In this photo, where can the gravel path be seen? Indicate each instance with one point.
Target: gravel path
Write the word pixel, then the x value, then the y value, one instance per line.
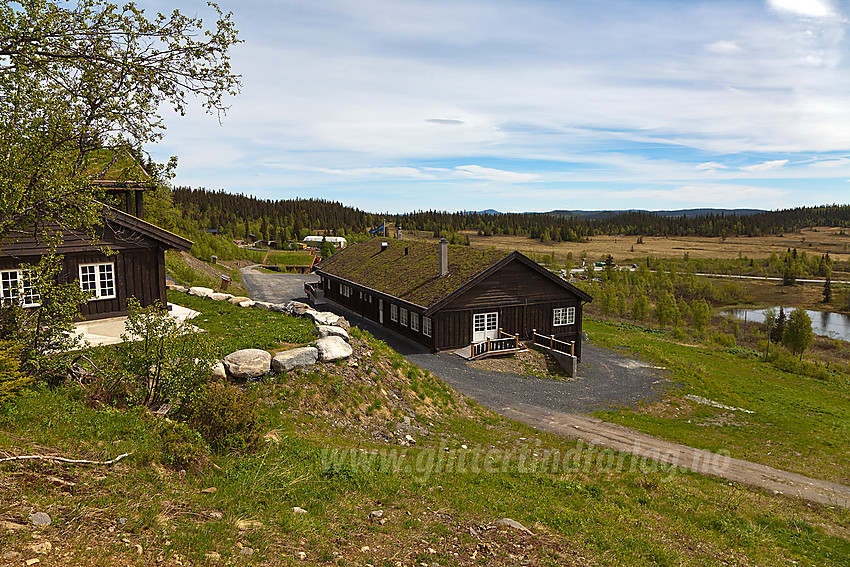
pixel 275 288
pixel 606 379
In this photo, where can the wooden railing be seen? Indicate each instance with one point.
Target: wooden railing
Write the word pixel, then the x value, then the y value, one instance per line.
pixel 314 292
pixel 553 343
pixel 504 344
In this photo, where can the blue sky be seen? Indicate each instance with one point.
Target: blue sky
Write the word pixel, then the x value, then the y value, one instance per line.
pixel 393 106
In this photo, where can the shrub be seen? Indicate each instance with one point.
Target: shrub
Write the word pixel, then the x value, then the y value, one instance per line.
pixel 12 380
pixel 166 356
pixel 181 446
pixel 226 417
pixel 723 339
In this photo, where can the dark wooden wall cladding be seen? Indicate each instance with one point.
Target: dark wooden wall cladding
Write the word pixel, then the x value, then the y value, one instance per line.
pixel 522 293
pixel 136 248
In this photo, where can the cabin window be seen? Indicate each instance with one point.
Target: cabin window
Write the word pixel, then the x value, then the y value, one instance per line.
pixel 344 290
pixel 403 316
pixel 393 312
pixel 414 321
pixel 426 326
pixel 98 279
pixel 563 316
pixel 19 287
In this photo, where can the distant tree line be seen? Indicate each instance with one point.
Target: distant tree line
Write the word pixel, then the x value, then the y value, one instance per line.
pixel 239 216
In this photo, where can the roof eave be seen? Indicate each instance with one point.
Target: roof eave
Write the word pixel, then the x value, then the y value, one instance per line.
pixel 169 239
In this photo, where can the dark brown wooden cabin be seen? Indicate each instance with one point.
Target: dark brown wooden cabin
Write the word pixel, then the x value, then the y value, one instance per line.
pixel 448 297
pixel 136 269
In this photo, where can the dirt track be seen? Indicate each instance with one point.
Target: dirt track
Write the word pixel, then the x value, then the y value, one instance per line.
pixel 619 438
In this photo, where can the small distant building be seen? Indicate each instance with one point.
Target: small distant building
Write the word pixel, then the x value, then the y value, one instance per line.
pixel 337 241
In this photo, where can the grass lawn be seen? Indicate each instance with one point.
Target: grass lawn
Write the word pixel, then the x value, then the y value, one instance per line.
pixel 798 423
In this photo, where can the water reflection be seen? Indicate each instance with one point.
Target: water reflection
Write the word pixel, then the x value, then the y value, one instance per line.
pixel 824 323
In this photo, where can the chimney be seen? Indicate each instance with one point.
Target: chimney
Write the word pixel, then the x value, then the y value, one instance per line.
pixel 405 251
pixel 444 257
pixel 384 246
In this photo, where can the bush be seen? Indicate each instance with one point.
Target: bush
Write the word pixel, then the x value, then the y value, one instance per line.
pixel 226 417
pixel 788 363
pixel 181 446
pixel 723 339
pixel 12 380
pixel 166 356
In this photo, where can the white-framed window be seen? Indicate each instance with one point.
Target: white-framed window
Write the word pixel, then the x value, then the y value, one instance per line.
pixel 402 316
pixel 19 287
pixel 414 321
pixel 393 312
pixel 344 290
pixel 563 316
pixel 426 326
pixel 98 279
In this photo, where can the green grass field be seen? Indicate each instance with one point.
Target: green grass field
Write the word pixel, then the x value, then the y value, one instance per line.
pixel 798 423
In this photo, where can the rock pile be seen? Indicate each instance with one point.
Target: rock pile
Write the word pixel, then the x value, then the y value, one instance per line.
pixel 251 364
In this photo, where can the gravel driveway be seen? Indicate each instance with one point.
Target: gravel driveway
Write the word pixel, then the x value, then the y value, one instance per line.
pixel 606 378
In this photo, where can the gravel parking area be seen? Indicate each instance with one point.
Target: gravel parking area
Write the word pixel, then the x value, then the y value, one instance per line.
pixel 606 378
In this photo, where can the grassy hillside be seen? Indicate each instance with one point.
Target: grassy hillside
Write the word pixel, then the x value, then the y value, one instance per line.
pixel 335 445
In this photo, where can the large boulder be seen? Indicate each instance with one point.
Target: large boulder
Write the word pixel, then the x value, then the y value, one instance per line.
pixel 237 299
pixel 323 331
pixel 342 323
pixel 333 348
pixel 298 308
pixel 287 360
pixel 280 308
pixel 323 317
pixel 246 303
pixel 248 363
pixel 219 372
pixel 218 296
pixel 201 291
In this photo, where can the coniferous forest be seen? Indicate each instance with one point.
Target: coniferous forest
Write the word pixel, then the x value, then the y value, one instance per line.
pixel 239 216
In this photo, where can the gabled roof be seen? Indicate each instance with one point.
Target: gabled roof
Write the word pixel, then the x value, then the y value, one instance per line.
pixel 414 277
pixel 118 169
pixel 169 239
pixel 512 257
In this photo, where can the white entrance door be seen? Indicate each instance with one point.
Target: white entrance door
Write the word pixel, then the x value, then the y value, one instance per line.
pixel 381 311
pixel 485 326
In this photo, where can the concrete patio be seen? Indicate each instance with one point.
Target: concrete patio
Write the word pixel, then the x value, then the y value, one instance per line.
pixel 108 331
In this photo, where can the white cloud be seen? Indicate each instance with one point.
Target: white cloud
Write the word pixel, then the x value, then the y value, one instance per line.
pixel 710 166
pixel 705 194
pixel 831 163
pixel 766 166
pixel 809 8
pixel 724 47
pixel 489 174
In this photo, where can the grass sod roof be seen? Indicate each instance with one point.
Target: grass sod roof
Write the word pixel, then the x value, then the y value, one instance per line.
pixel 414 277
pixel 118 168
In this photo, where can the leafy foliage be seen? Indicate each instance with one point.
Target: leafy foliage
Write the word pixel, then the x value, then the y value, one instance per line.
pixel 798 334
pixel 226 417
pixel 79 77
pixel 12 380
pixel 168 358
pixel 46 329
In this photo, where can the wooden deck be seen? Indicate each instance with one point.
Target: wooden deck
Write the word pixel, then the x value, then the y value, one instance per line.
pixel 506 344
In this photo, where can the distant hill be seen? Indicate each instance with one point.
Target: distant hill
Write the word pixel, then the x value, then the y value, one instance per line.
pixel 687 213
